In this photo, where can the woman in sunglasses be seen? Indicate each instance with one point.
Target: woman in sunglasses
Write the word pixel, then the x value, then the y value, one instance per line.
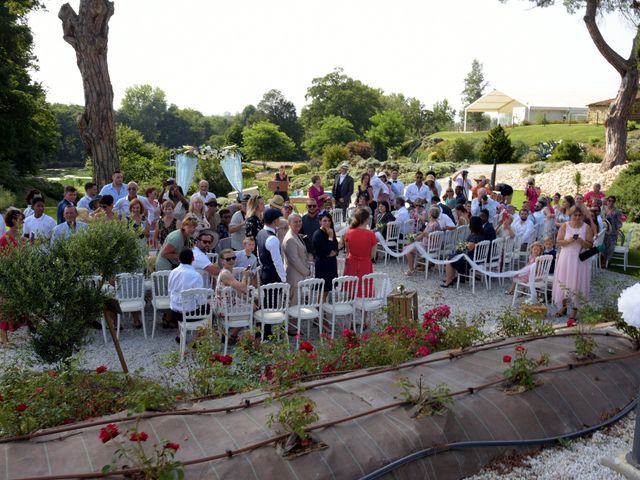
pixel 227 279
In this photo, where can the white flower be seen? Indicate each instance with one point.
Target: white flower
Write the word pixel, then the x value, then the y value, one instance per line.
pixel 629 305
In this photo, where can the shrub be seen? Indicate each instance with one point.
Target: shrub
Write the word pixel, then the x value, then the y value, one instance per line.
pixel 334 155
pixel 459 150
pixel 525 123
pixel 529 157
pixel 595 141
pixel 497 146
pixel 360 148
pixel 568 150
pixel 625 189
pixel 631 125
pixel 443 169
pixel 520 150
pixel 545 149
pixel 7 199
pixel 435 156
pixel 330 176
pixel 592 158
pixel 300 169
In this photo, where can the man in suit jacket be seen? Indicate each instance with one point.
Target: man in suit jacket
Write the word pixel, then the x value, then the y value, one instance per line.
pixel 295 256
pixel 487 226
pixel 342 188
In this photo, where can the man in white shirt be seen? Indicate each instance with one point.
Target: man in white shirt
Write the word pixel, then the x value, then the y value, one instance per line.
pixel 200 250
pixel 121 207
pixel 203 191
pixel 69 226
pixel 376 185
pixel 116 188
pixel 269 249
pixel 461 179
pixel 90 192
pixel 184 277
pixel 38 225
pixel 523 227
pixel 484 202
pixel 237 224
pixel 417 190
pixel 401 213
pixel 396 185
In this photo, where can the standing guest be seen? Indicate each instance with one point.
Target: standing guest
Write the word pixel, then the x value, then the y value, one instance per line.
pixel 287 210
pixel 213 217
pixel 556 201
pixel 176 195
pixel 203 192
pixel 562 213
pixel 122 206
pixel 417 190
pixel 364 189
pixel 383 217
pixel 176 242
pixel 245 257
pixel 166 186
pixel 342 188
pixel 295 256
pixel 487 226
pixel 461 265
pixel 116 189
pixel 572 278
pixel 137 219
pixel 104 208
pixel 506 191
pixel 614 217
pixel 435 189
pixel 237 226
pixel 461 180
pixel 197 210
pixel 90 192
pixel 360 247
pixel 151 203
pixel 255 212
pixel 523 228
pixel 277 202
pixel 460 198
pixel 325 245
pixel 310 224
pixel 595 194
pixel 376 186
pixel 483 202
pixel 532 192
pixel 281 176
pixel 385 191
pixel 166 224
pixel 432 226
pixel 396 185
pixel 29 199
pixel 450 199
pixel 70 194
pixel 223 227
pixel 316 191
pixel 38 225
pixel 11 238
pixel 70 224
pixel 462 215
pixel 481 183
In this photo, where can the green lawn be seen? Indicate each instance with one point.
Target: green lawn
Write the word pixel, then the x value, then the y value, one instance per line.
pixel 534 134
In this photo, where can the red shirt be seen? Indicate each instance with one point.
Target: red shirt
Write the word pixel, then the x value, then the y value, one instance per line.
pixel 593 195
pixel 6 240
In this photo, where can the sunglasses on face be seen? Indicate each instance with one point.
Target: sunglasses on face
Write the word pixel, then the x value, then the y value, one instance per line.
pixel 311 206
pixel 230 259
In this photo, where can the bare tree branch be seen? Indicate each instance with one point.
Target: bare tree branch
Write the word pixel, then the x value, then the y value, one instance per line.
pixel 603 47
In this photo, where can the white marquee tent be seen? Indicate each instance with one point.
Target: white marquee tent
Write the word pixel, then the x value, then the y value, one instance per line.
pixel 495 101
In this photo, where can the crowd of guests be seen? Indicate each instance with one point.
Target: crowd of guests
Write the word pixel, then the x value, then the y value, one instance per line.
pixel 289 247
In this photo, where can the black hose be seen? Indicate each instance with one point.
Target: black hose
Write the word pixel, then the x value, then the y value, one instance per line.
pixel 427 452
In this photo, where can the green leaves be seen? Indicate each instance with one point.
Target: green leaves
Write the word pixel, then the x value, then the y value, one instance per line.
pixel 265 141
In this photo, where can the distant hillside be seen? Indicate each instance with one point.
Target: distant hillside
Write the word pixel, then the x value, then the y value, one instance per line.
pixel 534 134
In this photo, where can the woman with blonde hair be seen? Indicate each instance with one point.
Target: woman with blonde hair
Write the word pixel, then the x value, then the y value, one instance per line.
pixel 432 226
pixel 254 223
pixel 176 242
pixel 196 209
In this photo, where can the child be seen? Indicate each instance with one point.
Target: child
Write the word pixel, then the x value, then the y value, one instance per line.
pixel 245 258
pixel 536 251
pixel 550 249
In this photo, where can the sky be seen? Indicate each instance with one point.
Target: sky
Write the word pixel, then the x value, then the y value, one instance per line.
pixel 217 57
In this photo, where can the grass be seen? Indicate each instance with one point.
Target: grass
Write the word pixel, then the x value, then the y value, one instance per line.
pixel 534 134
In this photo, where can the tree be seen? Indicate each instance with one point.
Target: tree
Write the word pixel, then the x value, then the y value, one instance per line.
pixel 332 130
pixel 440 118
pixel 412 110
pixel 143 108
pixel 282 112
pixel 143 161
pixel 496 149
pixel 265 141
pixel 474 86
pixel 27 125
pixel 388 131
pixel 70 152
pixel 339 95
pixel 627 68
pixel 88 32
pixel 233 135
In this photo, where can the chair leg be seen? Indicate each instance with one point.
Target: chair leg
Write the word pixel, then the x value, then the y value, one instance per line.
pixel 226 339
pixel 118 327
pixel 473 282
pixel 144 324
pixel 153 326
pixel 104 330
pixel 183 340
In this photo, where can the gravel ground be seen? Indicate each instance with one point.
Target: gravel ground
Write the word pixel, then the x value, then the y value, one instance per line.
pixel 578 461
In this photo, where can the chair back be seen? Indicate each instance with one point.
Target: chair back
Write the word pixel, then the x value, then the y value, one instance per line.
pixel 449 242
pixel 238 273
pixel 462 233
pixel 213 257
pixel 337 215
pixel 237 304
pixel 627 243
pixel 542 266
pixel 410 227
pixel 208 280
pixel 160 284
pixel 130 286
pixel 497 247
pixel 274 297
pixel 393 232
pixel 507 248
pixel 434 242
pixel 341 264
pixel 373 285
pixel 311 292
pixel 481 252
pixel 196 303
pixel 223 244
pixel 350 212
pixel 344 290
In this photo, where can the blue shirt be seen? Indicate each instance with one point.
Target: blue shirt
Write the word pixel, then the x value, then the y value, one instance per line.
pixel 84 202
pixel 109 189
pixel 64 230
pixel 61 206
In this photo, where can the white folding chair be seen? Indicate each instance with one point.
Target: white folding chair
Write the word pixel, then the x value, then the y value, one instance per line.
pixel 433 247
pixel 595 260
pixel 197 312
pixel 480 254
pixel 309 307
pixel 341 263
pixel 621 252
pixel 393 234
pixel 542 267
pixel 494 259
pixel 462 233
pixel 448 245
pixel 507 253
pixel 159 294
pixel 343 294
pixel 238 272
pixel 337 214
pixel 273 301
pixel 350 212
pixel 208 280
pixel 213 257
pixel 373 297
pixel 130 296
pixel 223 245
pixel 236 309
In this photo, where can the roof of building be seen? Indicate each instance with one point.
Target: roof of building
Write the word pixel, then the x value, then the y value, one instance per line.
pixel 606 103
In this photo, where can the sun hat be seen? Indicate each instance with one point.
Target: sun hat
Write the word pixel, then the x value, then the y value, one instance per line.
pixel 431 178
pixel 277 201
pixel 344 165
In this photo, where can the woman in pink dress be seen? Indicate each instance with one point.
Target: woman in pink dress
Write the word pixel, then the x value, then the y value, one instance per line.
pixel 360 245
pixel 316 191
pixel 572 278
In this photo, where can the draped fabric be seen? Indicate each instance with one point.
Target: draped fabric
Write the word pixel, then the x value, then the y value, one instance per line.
pixel 232 167
pixel 185 170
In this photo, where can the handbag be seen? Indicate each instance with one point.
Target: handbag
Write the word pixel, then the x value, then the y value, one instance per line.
pixel 587 254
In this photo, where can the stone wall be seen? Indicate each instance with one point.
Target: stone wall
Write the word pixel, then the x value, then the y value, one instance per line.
pixel 598 113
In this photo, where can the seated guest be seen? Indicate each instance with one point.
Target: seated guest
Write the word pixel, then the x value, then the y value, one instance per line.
pixel 295 256
pixel 383 217
pixel 461 265
pixel 432 226
pixel 550 249
pixel 444 208
pixel 487 226
pixel 401 214
pixel 184 277
pixel 461 214
pixel 536 250
pixel 204 243
pixel 245 257
pixel 176 242
pixel 419 213
pixel 505 229
pixel 70 224
pixel 444 219
pixel 223 227
pixel 226 278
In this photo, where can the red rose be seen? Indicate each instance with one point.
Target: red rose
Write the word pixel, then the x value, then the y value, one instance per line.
pixel 109 432
pixel 171 446
pixel 520 348
pixel 432 338
pixel 313 356
pixel 53 373
pixel 571 322
pixel 308 408
pixel 306 346
pixel 39 389
pixel 21 407
pixel 139 437
pixel 178 397
pixel 226 359
pixel 390 330
pixel 422 351
pixel 435 328
pixel 1 398
pixel 506 359
pixel 101 369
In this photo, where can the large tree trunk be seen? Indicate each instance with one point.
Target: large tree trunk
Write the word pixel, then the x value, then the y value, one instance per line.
pixel 616 121
pixel 87 32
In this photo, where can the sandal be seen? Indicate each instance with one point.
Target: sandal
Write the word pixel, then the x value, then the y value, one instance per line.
pixel 409 273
